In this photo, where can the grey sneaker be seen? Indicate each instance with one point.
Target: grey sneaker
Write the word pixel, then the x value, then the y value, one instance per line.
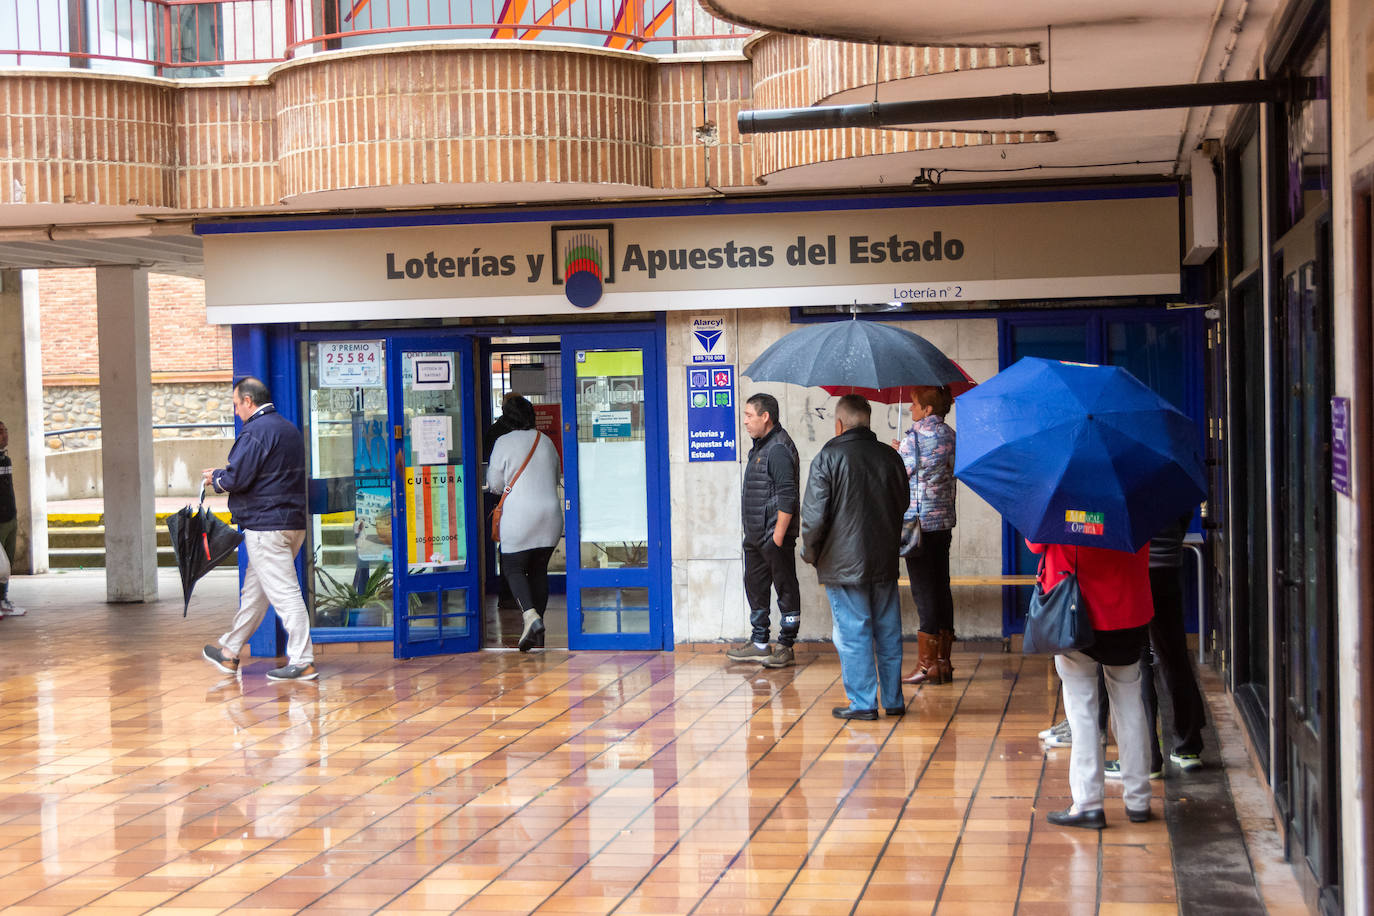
pixel 10 609
pixel 293 673
pixel 781 658
pixel 748 652
pixel 1057 728
pixel 1059 739
pixel 215 656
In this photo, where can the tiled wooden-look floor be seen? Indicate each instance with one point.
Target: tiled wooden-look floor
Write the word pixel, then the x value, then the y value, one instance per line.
pixel 135 778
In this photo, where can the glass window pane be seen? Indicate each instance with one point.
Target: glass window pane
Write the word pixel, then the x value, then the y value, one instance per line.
pixel 422 615
pixel 1249 194
pixel 1050 341
pixel 615 610
pixel 349 558
pixel 613 501
pixel 1152 351
pixel 432 451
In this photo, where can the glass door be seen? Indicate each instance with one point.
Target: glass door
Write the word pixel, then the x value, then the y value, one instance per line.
pixel 434 492
pixel 613 452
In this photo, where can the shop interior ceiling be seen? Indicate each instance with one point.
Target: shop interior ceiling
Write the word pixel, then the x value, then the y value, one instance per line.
pixel 1082 46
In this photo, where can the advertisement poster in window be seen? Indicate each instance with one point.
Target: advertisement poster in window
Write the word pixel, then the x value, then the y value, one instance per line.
pixel 437 534
pixel 351 364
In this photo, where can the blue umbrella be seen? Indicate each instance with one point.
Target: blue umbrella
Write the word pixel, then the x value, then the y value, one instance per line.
pixel 858 354
pixel 1077 454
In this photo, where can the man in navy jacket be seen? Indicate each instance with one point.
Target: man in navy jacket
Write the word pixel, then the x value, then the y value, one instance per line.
pixel 265 479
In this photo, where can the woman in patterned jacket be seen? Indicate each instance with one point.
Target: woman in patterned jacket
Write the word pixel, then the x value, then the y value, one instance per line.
pixel 928 452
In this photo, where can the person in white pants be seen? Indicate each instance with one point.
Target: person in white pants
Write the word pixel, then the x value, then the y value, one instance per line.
pixel 1115 588
pixel 1079 675
pixel 265 479
pixel 271 579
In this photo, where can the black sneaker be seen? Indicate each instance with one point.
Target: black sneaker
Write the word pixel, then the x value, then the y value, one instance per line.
pixel 293 673
pixel 215 656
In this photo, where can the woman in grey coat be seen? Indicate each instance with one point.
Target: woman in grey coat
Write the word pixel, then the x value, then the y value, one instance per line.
pixel 532 517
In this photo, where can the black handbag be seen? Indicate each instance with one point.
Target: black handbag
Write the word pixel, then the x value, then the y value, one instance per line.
pixel 1057 621
pixel 910 543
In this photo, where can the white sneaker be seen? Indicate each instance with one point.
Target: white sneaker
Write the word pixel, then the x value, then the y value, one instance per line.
pixel 9 609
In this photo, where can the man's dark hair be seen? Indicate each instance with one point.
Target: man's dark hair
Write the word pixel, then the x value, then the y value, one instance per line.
pixel 254 390
pixel 518 413
pixel 853 410
pixel 765 403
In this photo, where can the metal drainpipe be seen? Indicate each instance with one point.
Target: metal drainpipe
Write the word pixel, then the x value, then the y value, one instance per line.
pixel 1015 105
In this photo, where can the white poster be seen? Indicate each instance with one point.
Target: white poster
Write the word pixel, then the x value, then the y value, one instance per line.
pixel 431 437
pixel 431 372
pixel 351 364
pixel 613 492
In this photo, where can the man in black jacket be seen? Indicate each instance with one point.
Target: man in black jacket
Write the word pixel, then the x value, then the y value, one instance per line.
pixel 856 495
pixel 768 504
pixel 265 479
pixel 9 525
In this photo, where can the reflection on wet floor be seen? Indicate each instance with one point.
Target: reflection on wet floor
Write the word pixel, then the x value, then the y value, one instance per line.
pixel 135 778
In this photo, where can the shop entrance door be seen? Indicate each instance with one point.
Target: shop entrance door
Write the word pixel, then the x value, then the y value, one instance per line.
pixel 614 448
pixel 434 494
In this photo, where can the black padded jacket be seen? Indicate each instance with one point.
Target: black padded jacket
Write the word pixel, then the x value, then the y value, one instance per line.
pixel 772 475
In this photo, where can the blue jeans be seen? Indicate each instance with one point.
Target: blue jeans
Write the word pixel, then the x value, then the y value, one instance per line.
pixel 868 624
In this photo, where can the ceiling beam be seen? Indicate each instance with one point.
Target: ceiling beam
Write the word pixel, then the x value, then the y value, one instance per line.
pixel 1016 105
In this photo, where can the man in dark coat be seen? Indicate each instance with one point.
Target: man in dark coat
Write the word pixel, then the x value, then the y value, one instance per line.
pixel 265 479
pixel 9 525
pixel 768 504
pixel 852 512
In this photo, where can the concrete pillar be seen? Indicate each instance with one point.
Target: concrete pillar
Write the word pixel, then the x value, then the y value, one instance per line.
pixel 126 434
pixel 21 407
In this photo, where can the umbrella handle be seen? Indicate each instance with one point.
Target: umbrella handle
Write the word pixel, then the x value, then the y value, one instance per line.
pixel 202 492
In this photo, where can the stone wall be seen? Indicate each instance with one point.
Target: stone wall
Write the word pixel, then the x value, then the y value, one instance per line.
pixel 708 592
pixel 71 406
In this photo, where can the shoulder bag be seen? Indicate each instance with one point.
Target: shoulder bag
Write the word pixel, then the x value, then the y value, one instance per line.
pixel 496 513
pixel 1057 621
pixel 909 545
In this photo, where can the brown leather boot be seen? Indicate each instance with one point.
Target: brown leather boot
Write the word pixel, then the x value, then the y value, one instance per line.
pixel 942 656
pixel 927 669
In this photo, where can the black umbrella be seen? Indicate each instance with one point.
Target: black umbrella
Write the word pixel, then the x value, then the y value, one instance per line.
pixel 858 354
pixel 201 542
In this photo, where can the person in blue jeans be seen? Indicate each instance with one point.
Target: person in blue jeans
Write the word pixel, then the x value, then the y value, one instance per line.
pixel 851 523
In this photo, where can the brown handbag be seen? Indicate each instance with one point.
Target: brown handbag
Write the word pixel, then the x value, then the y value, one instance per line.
pixel 496 513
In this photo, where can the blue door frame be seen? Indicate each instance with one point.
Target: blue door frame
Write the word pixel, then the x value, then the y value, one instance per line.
pixel 437 612
pixel 655 576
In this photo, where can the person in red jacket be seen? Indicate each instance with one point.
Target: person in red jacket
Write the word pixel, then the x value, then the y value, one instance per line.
pixel 1115 588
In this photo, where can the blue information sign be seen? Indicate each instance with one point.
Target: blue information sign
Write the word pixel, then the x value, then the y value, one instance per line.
pixel 711 413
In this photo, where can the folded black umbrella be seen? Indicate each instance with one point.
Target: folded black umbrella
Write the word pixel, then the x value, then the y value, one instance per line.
pixel 201 542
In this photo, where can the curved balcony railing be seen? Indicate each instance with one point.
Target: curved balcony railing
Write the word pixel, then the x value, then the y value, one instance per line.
pixel 203 38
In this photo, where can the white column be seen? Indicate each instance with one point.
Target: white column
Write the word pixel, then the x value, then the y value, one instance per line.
pixel 126 434
pixel 21 407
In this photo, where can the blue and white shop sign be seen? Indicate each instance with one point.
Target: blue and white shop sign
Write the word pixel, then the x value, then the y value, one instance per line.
pixel 711 413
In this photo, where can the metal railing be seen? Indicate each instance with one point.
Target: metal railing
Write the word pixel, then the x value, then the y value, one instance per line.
pixel 202 38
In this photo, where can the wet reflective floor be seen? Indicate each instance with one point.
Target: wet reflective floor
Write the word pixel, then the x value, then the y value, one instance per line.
pixel 134 778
